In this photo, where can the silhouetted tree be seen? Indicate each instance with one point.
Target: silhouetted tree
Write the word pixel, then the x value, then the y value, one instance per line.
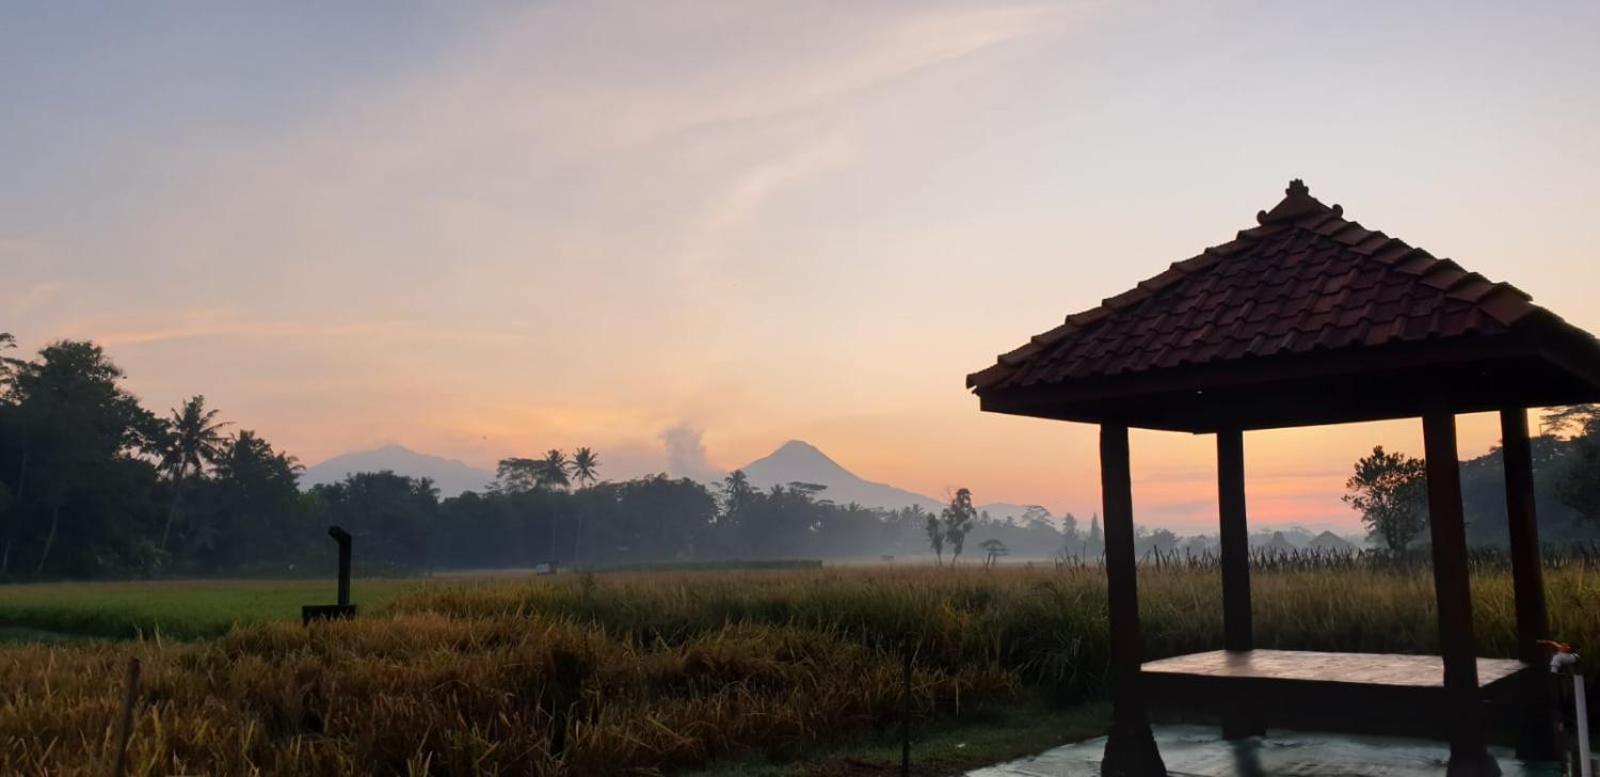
pixel 255 518
pixel 75 439
pixel 1572 421
pixel 554 470
pixel 958 518
pixel 190 440
pixel 585 467
pixel 1578 484
pixel 389 515
pixel 1069 534
pixel 1161 540
pixel 1095 542
pixel 1389 490
pixel 514 475
pixel 935 531
pixel 7 364
pixel 993 550
pixel 736 494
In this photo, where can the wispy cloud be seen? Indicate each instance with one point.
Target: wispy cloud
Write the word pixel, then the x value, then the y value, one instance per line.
pixel 146 329
pixel 35 296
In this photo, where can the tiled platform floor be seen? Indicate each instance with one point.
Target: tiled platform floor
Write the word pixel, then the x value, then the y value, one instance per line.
pixel 1199 751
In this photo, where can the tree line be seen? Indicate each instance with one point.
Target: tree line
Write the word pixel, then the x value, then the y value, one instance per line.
pixel 1389 488
pixel 93 484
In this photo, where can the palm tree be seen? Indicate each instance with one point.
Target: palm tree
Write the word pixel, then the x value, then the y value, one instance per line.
pixel 585 467
pixel 736 493
pixel 193 439
pixel 554 469
pixel 7 342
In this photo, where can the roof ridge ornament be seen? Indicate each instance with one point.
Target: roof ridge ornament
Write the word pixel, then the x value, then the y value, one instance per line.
pixel 1296 204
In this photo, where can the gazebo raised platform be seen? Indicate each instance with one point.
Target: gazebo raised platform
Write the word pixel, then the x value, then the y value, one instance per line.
pixel 1367 693
pixel 1309 319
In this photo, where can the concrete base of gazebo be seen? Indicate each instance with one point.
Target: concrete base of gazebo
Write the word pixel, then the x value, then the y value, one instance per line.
pixel 1201 751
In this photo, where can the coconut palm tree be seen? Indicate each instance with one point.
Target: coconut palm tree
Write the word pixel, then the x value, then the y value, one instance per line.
pixel 193 438
pixel 554 470
pixel 585 467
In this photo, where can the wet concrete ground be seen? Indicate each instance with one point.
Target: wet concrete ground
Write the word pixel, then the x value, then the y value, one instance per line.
pixel 1200 751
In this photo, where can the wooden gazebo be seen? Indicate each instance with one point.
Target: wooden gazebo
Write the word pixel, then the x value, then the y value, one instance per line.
pixel 1310 319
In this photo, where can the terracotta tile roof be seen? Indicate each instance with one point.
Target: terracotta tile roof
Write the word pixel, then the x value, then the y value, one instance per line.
pixel 1303 280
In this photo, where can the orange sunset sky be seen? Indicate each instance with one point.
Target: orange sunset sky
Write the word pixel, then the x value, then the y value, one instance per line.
pixel 486 230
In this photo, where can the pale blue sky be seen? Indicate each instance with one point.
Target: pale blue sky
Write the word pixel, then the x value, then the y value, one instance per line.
pixel 486 229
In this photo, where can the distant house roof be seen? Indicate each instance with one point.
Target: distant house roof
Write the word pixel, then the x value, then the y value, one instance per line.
pixel 1278 544
pixel 1330 541
pixel 1294 322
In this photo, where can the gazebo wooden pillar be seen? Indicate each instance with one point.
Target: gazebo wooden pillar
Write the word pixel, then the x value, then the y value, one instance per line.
pixel 1310 319
pixel 1446 525
pixel 1527 576
pixel 1527 580
pixel 1238 630
pixel 1131 745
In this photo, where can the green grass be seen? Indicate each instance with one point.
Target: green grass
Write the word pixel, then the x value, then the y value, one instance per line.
pixel 191 609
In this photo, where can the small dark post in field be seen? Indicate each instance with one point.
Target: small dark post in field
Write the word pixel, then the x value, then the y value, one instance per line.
pixel 130 696
pixel 344 609
pixel 905 714
pixel 343 538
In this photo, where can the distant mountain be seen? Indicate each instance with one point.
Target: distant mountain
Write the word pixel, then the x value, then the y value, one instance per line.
pixel 798 461
pixel 794 461
pixel 450 476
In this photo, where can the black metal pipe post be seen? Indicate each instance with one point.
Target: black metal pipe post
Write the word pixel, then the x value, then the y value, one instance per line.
pixel 343 538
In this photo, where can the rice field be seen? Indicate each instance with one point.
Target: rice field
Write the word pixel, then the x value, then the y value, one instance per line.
pixel 649 673
pixel 184 610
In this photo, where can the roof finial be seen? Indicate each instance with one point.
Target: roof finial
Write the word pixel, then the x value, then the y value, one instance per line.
pixel 1297 202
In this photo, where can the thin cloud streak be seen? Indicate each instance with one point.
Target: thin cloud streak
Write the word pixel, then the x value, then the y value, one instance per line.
pixel 221 324
pixel 35 296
